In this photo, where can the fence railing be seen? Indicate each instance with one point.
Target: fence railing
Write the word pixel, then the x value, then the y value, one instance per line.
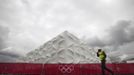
pixel 63 69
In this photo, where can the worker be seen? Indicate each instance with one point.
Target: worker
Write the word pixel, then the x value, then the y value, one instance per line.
pixel 102 56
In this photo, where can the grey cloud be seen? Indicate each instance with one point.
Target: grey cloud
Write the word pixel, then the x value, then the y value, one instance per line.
pixel 96 42
pixel 127 48
pixel 8 58
pixel 3 36
pixel 9 54
pixel 4 58
pixel 117 36
pixel 121 33
pixel 4 31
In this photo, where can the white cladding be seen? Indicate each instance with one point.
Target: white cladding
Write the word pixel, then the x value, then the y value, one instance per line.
pixel 65 48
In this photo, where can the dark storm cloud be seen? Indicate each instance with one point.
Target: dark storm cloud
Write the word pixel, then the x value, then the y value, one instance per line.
pixel 3 36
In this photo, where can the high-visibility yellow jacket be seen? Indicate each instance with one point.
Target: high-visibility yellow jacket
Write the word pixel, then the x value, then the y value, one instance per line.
pixel 102 55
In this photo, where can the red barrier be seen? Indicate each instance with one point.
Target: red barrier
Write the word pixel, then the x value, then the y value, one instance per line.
pixel 63 69
pixel 90 69
pixel 20 68
pixel 125 68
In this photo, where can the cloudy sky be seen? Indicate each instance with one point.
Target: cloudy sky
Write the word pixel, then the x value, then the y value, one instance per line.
pixel 27 24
